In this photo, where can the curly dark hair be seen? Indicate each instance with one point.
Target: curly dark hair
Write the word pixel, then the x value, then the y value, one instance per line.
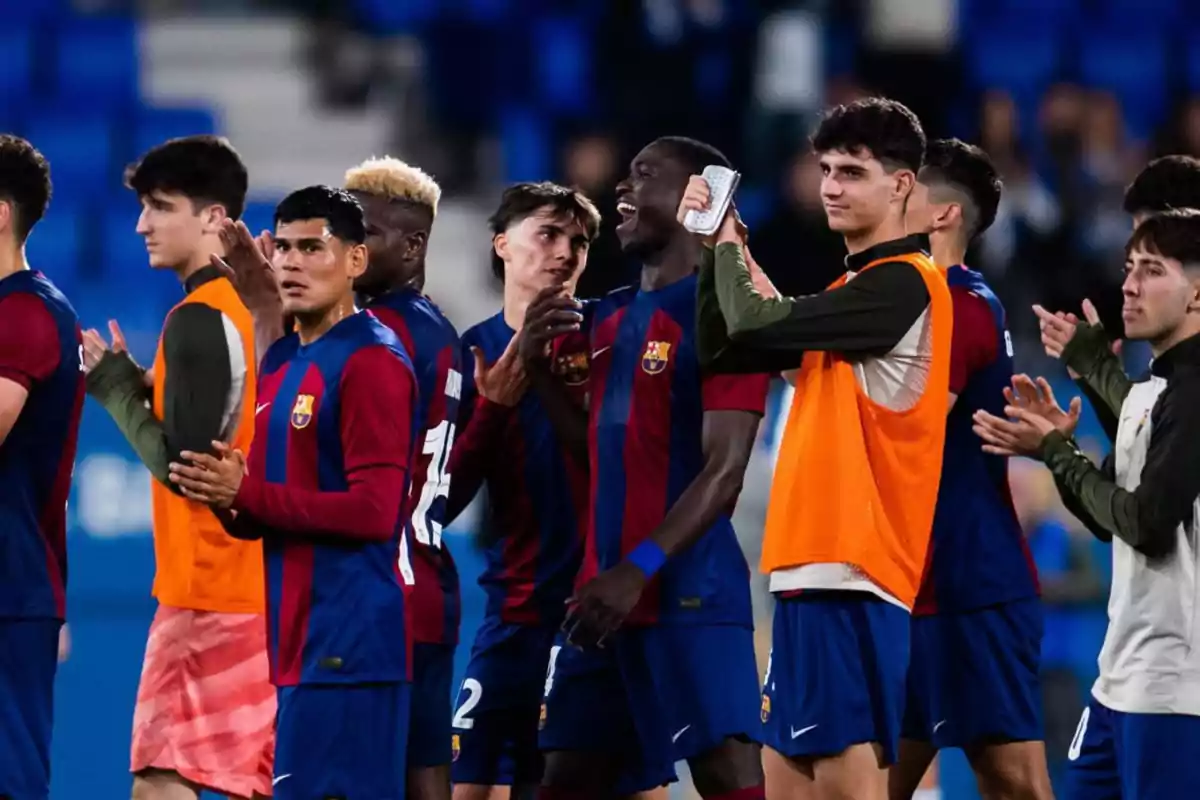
pixel 341 211
pixel 522 200
pixel 1163 184
pixel 205 169
pixel 966 169
pixel 24 182
pixel 693 153
pixel 885 128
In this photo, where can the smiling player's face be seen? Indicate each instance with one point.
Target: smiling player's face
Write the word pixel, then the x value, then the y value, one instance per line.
pixel 648 199
pixel 544 249
pixel 857 192
pixel 316 269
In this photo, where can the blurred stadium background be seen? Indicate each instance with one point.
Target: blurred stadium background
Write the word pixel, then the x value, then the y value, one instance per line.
pixel 1069 96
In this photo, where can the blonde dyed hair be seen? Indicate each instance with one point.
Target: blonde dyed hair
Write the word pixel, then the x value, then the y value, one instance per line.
pixel 394 179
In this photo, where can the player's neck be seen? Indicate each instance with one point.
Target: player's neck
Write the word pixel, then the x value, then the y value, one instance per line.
pixel 516 302
pixel 201 258
pixel 889 230
pixel 673 263
pixel 311 327
pixel 946 251
pixel 12 261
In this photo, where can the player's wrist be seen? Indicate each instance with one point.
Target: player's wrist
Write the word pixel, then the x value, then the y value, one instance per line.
pixel 648 557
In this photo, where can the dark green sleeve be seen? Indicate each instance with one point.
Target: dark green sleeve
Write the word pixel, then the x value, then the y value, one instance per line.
pixel 714 348
pixel 116 383
pixel 1101 375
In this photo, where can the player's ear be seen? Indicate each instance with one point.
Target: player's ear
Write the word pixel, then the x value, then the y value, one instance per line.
pixel 7 214
pixel 356 261
pixel 947 216
pixel 415 243
pixel 500 245
pixel 212 217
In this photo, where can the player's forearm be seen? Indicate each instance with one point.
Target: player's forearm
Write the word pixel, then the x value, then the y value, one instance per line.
pixel 117 385
pixel 1107 509
pixel 566 418
pixel 368 511
pixel 268 329
pixel 712 494
pixel 714 349
pixel 747 314
pixel 474 448
pixel 1101 375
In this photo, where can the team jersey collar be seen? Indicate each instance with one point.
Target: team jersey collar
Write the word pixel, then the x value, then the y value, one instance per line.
pixel 201 277
pixel 916 243
pixel 1183 355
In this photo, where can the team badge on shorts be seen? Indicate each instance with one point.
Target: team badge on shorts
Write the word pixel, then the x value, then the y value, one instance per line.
pixel 766 708
pixel 572 368
pixel 542 717
pixel 455 747
pixel 302 412
pixel 654 360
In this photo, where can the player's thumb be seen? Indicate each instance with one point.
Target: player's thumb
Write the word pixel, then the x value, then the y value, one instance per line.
pixel 480 365
pixel 1075 409
pixel 1090 313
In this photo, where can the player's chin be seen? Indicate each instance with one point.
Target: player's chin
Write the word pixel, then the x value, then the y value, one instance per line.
pixel 841 222
pixel 298 305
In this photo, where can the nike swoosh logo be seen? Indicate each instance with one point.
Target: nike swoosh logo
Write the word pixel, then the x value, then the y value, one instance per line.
pixel 802 731
pixel 679 733
pixel 602 350
pixel 279 778
pixel 259 409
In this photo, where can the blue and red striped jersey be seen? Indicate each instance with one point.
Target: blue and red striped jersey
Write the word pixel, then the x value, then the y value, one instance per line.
pixel 328 474
pixel 40 349
pixel 978 555
pixel 432 343
pixel 648 400
pixel 536 491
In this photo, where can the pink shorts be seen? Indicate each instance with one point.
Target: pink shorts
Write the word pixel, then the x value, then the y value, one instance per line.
pixel 205 705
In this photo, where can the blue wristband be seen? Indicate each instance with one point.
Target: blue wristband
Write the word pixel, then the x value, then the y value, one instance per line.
pixel 648 557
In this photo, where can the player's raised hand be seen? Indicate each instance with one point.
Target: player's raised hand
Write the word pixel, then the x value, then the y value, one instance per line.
pixel 247 264
pixel 503 382
pixel 1038 396
pixel 94 348
pixel 1019 435
pixel 552 313
pixel 118 338
pixel 212 480
pixel 696 197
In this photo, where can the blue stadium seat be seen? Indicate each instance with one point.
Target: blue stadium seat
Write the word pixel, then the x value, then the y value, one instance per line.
pixel 55 245
pixel 525 145
pixel 1134 67
pixel 564 58
pixel 15 12
pixel 1138 14
pixel 153 126
pixel 981 15
pixel 80 148
pixel 1021 59
pixel 16 64
pixel 259 216
pixel 387 17
pixel 97 63
pixel 122 249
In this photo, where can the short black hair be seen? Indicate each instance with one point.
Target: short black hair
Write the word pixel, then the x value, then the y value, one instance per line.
pixel 1171 234
pixel 24 182
pixel 522 200
pixel 341 211
pixel 205 169
pixel 885 127
pixel 1163 184
pixel 692 153
pixel 966 169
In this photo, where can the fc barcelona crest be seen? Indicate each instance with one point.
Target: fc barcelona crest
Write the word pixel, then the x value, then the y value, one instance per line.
pixel 455 747
pixel 766 708
pixel 654 360
pixel 302 412
pixel 572 368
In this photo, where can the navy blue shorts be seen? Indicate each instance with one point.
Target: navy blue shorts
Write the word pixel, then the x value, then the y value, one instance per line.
pixel 341 741
pixel 836 674
pixel 653 696
pixel 973 677
pixel 495 724
pixel 1118 756
pixel 429 716
pixel 28 661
